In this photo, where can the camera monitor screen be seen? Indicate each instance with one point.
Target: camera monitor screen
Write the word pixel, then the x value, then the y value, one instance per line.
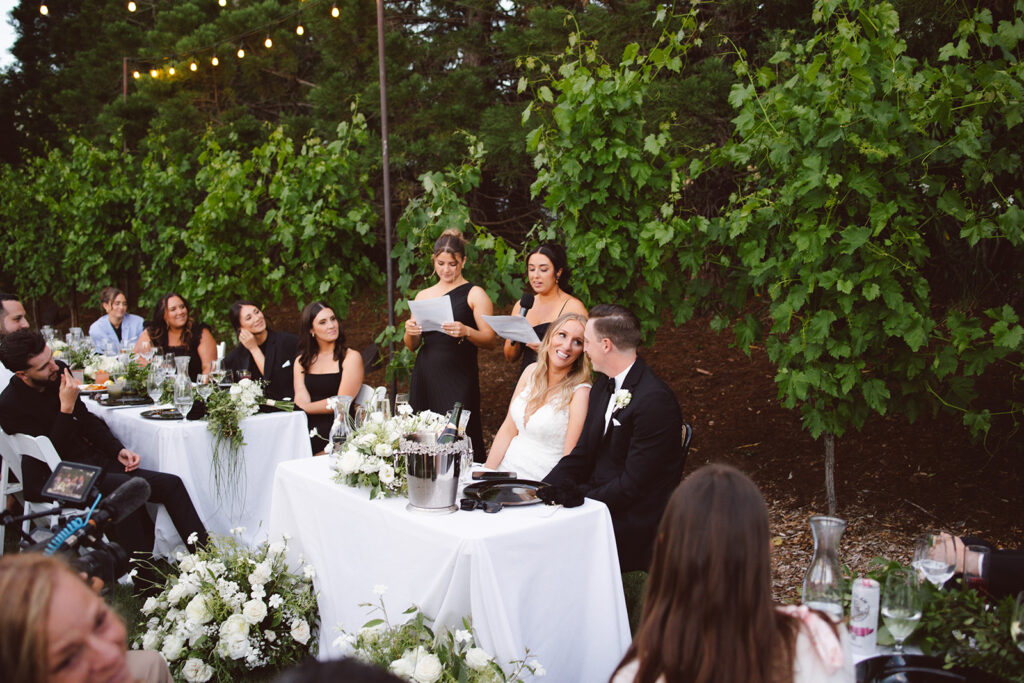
pixel 72 482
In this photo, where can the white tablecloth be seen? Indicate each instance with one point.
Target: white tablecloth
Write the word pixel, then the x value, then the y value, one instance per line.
pixel 536 577
pixel 186 449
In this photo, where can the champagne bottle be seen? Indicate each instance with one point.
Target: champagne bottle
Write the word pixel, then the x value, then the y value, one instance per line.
pixel 451 431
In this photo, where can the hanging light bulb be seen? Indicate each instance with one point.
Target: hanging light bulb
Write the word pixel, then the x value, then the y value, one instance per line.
pixel 222 3
pixel 215 61
pixel 193 67
pixel 335 12
pixel 268 43
pixel 135 74
pixel 170 71
pixel 131 7
pixel 299 30
pixel 44 10
pixel 154 73
pixel 241 53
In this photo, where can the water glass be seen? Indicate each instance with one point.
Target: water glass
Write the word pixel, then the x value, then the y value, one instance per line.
pixel 242 374
pixel 935 556
pixel 402 400
pixel 155 383
pixel 183 398
pixel 901 605
pixel 205 386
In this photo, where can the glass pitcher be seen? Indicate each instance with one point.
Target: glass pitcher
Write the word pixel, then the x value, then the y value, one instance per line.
pixel 342 427
pixel 822 588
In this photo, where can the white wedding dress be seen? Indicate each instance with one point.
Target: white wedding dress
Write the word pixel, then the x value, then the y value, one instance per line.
pixel 539 445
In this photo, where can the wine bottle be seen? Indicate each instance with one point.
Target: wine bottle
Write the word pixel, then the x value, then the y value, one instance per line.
pixel 451 431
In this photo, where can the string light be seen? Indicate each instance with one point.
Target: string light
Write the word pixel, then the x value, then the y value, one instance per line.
pixel 131 7
pixel 135 74
pixel 44 10
pixel 215 61
pixel 299 30
pixel 222 3
pixel 193 67
pixel 170 71
pixel 154 73
pixel 268 43
pixel 335 12
pixel 241 53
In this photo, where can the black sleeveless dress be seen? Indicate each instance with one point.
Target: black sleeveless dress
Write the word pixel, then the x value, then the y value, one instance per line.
pixel 446 371
pixel 319 388
pixel 195 363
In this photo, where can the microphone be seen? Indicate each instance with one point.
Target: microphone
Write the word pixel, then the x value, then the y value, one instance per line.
pixel 126 499
pixel 525 303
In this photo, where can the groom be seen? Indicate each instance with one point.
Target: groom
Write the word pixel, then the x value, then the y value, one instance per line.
pixel 629 454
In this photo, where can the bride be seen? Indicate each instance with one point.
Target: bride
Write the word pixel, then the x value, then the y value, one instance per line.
pixel 549 405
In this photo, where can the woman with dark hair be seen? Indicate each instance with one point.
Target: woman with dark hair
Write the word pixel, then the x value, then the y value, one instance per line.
pixel 267 354
pixel 446 369
pixel 173 330
pixel 118 327
pixel 323 368
pixel 549 406
pixel 548 274
pixel 55 629
pixel 708 614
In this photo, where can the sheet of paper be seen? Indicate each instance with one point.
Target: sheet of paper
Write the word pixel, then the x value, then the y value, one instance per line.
pixel 430 313
pixel 514 327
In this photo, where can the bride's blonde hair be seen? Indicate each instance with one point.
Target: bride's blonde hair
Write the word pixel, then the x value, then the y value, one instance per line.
pixel 560 392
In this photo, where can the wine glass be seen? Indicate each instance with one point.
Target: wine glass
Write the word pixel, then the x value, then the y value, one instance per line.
pixel 401 401
pixel 901 605
pixel 155 383
pixel 205 386
pixel 242 374
pixel 183 398
pixel 217 375
pixel 359 415
pixel 935 556
pixel 147 351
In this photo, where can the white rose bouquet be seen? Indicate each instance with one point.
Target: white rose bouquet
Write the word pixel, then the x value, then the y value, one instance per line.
pixel 370 456
pixel 231 610
pixel 412 652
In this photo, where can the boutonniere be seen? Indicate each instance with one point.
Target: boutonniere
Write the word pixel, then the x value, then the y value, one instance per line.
pixel 622 397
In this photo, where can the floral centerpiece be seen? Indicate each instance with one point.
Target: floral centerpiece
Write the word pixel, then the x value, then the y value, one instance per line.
pixel 77 357
pixel 232 610
pixel 224 412
pixel 370 456
pixel 414 653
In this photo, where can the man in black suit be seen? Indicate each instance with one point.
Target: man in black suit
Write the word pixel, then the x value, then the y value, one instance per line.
pixel 42 400
pixel 629 455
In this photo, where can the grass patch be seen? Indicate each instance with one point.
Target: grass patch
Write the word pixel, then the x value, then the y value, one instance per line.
pixel 633 585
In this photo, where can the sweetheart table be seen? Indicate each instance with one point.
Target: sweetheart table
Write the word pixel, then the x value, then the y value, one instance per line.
pixel 536 576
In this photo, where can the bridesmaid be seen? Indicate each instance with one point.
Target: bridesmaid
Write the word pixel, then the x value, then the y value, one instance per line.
pixel 548 275
pixel 325 367
pixel 118 327
pixel 267 354
pixel 173 330
pixel 446 368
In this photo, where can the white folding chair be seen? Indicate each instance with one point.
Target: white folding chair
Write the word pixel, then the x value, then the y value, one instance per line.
pixel 11 464
pixel 365 394
pixel 38 447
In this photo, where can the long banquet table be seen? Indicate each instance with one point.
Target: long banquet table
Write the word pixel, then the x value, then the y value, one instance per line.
pixel 537 577
pixel 186 449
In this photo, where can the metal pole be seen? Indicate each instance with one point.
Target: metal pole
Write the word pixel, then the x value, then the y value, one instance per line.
pixel 387 179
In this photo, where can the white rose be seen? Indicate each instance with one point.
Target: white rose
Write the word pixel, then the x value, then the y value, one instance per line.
pixel 383 450
pixel 386 474
pixel 151 640
pixel 234 627
pixel 260 574
pixel 196 671
pixel 276 548
pixel 428 667
pixel 377 417
pixel 365 440
pixel 270 636
pixel 150 606
pixel 477 659
pixel 198 611
pixel 235 390
pixel 405 410
pixel 235 648
pixel 173 645
pixel 402 667
pixel 300 631
pixel 187 564
pixel 177 592
pixel 370 465
pixel 350 461
pixel 254 611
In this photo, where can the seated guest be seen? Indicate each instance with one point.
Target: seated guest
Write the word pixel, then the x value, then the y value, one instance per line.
pixel 547 271
pixel 12 319
pixel 708 614
pixel 1005 570
pixel 267 354
pixel 173 330
pixel 325 367
pixel 42 400
pixel 629 454
pixel 53 627
pixel 118 328
pixel 549 405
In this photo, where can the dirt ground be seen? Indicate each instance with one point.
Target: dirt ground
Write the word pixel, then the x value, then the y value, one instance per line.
pixel 893 479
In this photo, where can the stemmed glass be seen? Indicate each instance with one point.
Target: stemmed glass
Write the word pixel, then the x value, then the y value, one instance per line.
pixel 205 386
pixel 155 383
pixel 147 351
pixel 183 398
pixel 935 557
pixel 901 605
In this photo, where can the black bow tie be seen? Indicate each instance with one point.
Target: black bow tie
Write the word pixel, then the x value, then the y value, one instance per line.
pixel 610 387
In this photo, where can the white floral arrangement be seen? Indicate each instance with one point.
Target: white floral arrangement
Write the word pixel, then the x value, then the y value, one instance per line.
pixel 108 364
pixel 414 653
pixel 370 456
pixel 231 610
pixel 622 398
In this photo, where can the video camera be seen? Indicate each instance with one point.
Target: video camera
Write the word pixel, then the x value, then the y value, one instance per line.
pixel 80 540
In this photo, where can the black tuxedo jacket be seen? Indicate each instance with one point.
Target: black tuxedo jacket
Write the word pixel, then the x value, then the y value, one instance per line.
pixel 279 353
pixel 634 466
pixel 78 437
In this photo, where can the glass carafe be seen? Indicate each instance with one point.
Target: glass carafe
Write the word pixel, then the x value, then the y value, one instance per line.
pixel 181 384
pixel 822 588
pixel 342 427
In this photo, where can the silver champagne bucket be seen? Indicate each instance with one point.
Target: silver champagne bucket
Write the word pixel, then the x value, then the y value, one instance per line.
pixel 432 471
